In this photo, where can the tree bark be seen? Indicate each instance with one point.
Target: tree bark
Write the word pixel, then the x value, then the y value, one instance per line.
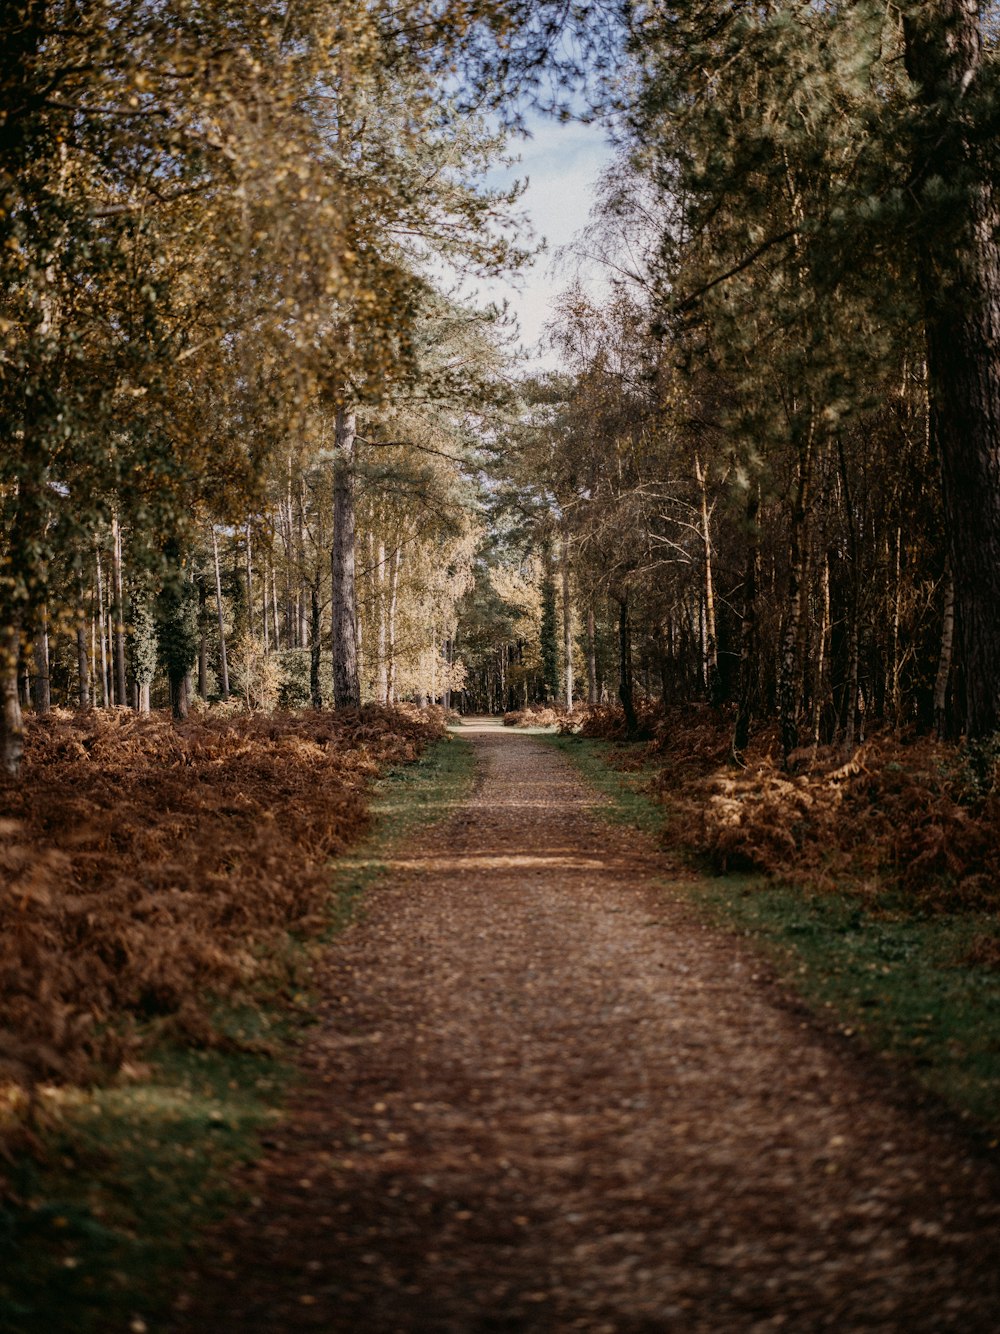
pixel 202 638
pixel 381 611
pixel 625 686
pixel 263 605
pixel 788 690
pixel 82 656
pixel 710 651
pixel 315 647
pixel 275 622
pixel 118 612
pixel 567 625
pixel 42 690
pixel 592 688
pixel 397 559
pixel 959 264
pixel 179 698
pixel 346 679
pixel 748 629
pixel 105 680
pixel 11 721
pixel 251 622
pixel 819 692
pixel 945 658
pixel 223 662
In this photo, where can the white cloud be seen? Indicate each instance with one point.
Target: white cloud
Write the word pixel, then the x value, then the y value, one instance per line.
pixel 562 163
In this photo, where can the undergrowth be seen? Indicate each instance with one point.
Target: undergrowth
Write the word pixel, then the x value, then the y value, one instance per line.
pixel 536 716
pixel 150 870
pixel 106 1187
pixel 896 946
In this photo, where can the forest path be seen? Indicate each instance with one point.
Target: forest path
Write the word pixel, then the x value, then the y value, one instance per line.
pixel 542 1097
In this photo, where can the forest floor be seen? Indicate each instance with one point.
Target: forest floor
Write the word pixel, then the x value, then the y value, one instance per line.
pixel 542 1095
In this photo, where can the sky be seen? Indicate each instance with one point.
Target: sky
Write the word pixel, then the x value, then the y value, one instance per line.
pixel 563 163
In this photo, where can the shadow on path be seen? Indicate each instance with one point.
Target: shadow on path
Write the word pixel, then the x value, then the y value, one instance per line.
pixel 541 1096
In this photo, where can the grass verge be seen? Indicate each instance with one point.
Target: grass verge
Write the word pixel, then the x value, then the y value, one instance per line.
pixel 895 977
pixel 99 1217
pixel 405 800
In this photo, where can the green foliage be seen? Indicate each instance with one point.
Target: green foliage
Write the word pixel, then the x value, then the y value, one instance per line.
pixel 141 642
pixel 294 689
pixel 196 259
pixel 177 626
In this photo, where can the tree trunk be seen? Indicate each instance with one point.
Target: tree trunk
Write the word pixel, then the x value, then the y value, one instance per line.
pixel 223 662
pixel 263 606
pixel 945 658
pixel 788 690
pixel 895 668
pixel 82 657
pixel 625 687
pixel 251 623
pixel 305 591
pixel 748 629
pixel 397 559
pixel 853 675
pixel 567 625
pixel 381 613
pixel 118 612
pixel 11 722
pixel 42 692
pixel 710 649
pixel 274 609
pixel 592 687
pixel 179 697
pixel 202 638
pixel 105 680
pixel 346 679
pixel 315 647
pixel 960 285
pixel 820 657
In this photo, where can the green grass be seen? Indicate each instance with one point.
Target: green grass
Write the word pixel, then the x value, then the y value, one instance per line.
pixel 887 973
pixel 628 803
pixel 94 1236
pixel 405 799
pixel 127 1176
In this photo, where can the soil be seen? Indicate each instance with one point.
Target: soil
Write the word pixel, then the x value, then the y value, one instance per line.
pixel 543 1096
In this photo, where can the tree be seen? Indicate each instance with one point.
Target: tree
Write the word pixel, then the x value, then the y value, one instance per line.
pixel 177 633
pixel 809 188
pixel 953 178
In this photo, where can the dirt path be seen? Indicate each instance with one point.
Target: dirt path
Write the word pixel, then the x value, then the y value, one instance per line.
pixel 541 1097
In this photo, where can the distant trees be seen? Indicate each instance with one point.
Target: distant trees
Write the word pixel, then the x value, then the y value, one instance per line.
pixel 769 476
pixel 771 432
pixel 215 237
pixel 826 178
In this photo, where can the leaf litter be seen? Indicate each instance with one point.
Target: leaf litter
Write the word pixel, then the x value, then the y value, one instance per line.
pixel 543 1096
pixel 150 870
